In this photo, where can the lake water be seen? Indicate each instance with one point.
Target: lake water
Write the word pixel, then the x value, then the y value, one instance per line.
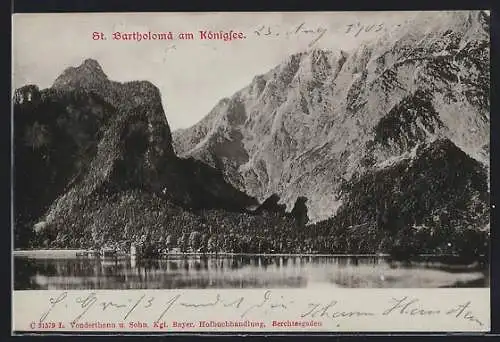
pixel 46 272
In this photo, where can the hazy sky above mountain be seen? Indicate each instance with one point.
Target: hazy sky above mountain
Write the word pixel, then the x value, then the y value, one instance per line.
pixel 192 75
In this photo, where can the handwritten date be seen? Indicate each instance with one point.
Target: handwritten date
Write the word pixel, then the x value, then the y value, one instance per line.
pixel 354 29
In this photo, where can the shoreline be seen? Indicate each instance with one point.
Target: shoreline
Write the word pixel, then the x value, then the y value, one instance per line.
pixel 74 252
pixel 41 252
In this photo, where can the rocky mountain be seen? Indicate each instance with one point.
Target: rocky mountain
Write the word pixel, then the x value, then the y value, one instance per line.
pixel 380 149
pixel 324 124
pixel 88 144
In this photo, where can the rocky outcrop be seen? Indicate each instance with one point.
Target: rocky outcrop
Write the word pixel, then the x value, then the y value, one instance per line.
pixel 88 140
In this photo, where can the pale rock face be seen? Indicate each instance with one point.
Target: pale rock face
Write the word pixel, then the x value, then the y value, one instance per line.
pixel 321 117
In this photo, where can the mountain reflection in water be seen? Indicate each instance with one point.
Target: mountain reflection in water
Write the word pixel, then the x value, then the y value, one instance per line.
pixel 241 272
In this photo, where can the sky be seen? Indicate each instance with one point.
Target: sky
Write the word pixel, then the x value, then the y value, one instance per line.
pixel 192 75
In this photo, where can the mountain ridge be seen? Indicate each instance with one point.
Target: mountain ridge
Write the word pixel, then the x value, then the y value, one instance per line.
pixel 374 151
pixel 89 146
pixel 74 194
pixel 282 126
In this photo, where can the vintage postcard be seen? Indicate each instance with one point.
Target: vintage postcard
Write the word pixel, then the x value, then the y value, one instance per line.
pixel 251 172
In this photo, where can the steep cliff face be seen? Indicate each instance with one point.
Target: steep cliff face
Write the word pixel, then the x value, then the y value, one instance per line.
pixel 88 143
pixel 139 98
pixel 321 117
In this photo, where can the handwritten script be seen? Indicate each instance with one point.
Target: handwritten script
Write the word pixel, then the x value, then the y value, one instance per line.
pixel 317 32
pixel 270 303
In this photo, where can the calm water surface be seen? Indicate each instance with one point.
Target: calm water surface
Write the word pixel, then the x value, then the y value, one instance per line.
pixel 240 272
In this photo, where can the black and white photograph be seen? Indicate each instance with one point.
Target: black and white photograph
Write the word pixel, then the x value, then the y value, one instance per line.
pixel 291 150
